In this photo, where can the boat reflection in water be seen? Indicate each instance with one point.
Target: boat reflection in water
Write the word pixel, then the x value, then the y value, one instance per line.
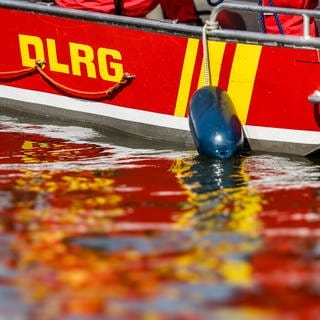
pixel 91 230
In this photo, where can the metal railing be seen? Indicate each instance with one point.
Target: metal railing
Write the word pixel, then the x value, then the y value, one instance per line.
pixel 186 30
pixel 306 40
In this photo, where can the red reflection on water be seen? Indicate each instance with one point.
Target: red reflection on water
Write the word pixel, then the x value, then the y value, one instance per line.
pixel 287 265
pixel 152 239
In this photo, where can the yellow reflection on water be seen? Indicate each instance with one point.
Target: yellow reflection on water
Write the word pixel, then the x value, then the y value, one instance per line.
pixel 239 207
pixel 69 252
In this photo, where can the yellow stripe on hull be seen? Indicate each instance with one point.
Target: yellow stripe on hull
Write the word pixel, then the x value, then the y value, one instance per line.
pixel 242 78
pixel 186 77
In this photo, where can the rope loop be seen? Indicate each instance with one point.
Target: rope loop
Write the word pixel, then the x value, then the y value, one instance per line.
pixel 13 75
pixel 96 95
pixel 209 26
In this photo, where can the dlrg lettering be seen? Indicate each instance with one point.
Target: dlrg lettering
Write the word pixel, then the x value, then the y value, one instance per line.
pixel 106 62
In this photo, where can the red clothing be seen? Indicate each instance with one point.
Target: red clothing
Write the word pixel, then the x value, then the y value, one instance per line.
pixel 183 11
pixel 231 20
pixel 132 8
pixel 291 24
pixel 299 4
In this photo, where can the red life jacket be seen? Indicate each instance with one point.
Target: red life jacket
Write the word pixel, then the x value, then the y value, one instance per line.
pixel 183 11
pixel 132 8
pixel 292 25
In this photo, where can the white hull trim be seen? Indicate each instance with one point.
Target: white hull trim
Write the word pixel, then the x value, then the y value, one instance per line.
pixel 283 135
pixel 155 120
pixel 95 108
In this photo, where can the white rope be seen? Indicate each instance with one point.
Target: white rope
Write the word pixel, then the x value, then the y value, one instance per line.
pixel 209 25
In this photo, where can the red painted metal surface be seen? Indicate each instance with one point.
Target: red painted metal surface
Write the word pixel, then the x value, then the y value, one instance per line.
pixel 285 77
pixel 146 55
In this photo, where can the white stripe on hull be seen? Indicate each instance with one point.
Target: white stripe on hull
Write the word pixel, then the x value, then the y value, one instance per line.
pixel 283 135
pixel 93 107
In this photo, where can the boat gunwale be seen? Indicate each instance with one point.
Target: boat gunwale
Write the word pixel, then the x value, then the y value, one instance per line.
pixel 261 38
pixel 159 26
pixel 168 27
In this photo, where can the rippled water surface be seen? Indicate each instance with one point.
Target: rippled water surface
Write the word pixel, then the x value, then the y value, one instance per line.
pixel 92 229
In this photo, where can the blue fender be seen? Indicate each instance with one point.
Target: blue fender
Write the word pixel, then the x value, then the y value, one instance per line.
pixel 214 124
